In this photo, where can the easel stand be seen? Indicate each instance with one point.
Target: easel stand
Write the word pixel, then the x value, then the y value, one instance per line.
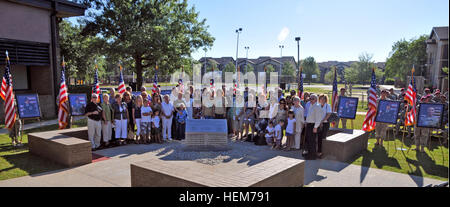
pixel 23 125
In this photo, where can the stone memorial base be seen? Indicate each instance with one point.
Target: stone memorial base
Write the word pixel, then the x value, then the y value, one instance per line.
pixel 343 144
pixel 67 147
pixel 275 172
pixel 206 135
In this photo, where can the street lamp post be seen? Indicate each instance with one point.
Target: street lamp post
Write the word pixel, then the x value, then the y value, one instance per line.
pixel 204 68
pixel 246 48
pixel 298 63
pixel 281 56
pixel 246 57
pixel 237 50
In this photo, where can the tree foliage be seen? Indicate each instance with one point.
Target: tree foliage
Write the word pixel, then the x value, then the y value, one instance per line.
pixel 269 68
pixel 288 69
pixel 248 68
pixel 230 67
pixel 404 55
pixel 149 32
pixel 361 71
pixel 212 64
pixel 329 77
pixel 309 68
pixel 80 52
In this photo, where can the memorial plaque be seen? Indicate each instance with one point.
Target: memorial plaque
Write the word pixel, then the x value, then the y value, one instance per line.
pixel 206 134
pixel 28 105
pixel 347 107
pixel 387 111
pixel 77 104
pixel 430 115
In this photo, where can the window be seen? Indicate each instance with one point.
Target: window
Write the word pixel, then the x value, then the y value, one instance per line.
pixel 20 77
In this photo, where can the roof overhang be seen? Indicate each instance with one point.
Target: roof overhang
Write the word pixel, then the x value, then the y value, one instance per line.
pixel 63 8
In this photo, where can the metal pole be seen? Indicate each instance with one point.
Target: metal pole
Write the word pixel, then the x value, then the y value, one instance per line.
pixel 237 50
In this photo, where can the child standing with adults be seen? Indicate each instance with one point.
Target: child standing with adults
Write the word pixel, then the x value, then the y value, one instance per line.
pixel 146 122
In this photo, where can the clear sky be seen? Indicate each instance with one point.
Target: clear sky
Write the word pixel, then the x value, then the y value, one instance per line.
pixel 329 29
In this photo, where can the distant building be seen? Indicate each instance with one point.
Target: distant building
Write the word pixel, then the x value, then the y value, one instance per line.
pixel 437 51
pixel 258 64
pixel 29 31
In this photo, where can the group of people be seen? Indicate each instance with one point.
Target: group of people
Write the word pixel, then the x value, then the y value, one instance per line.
pixel 127 118
pixel 142 119
pixel 421 134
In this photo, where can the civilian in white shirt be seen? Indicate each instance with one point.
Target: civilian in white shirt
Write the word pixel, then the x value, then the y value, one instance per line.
pixel 313 121
pixel 279 133
pixel 290 130
pixel 270 133
pixel 325 125
pixel 146 122
pixel 167 115
pixel 300 120
pixel 156 129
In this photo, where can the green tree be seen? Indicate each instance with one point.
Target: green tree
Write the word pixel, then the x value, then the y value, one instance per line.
pixel 329 77
pixel 80 52
pixel 149 31
pixel 445 70
pixel 269 68
pixel 310 68
pixel 248 68
pixel 361 71
pixel 404 55
pixel 288 69
pixel 230 67
pixel 211 64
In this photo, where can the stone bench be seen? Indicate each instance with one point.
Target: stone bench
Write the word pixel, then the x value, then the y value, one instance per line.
pixel 275 172
pixel 68 147
pixel 343 144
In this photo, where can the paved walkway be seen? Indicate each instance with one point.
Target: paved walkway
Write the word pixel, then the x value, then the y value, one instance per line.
pixel 41 124
pixel 116 171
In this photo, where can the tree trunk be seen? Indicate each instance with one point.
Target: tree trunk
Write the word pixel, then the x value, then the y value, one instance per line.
pixel 138 61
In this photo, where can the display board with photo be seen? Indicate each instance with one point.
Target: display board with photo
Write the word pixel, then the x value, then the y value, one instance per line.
pixel 387 111
pixel 166 92
pixel 430 115
pixel 347 107
pixel 77 104
pixel 28 106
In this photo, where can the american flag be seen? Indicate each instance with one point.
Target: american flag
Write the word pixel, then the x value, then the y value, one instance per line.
pixel 411 93
pixel 369 121
pixel 63 109
pixel 121 82
pixel 8 95
pixel 334 98
pixel 155 80
pixel 300 85
pixel 96 88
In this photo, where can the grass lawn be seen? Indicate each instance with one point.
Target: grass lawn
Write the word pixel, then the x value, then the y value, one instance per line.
pixel 432 164
pixel 17 162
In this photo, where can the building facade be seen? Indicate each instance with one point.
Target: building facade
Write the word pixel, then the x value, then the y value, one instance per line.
pixel 29 31
pixel 437 52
